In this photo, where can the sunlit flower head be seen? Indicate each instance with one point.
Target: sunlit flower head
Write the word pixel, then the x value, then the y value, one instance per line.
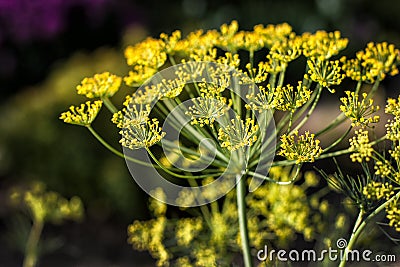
pixel 100 85
pixel 359 111
pixel 82 115
pixel 301 148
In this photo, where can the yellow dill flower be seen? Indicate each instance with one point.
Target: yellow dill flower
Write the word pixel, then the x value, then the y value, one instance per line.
pixel 139 75
pixel 385 56
pixel 326 73
pixel 83 115
pixel 256 75
pixel 303 148
pixel 322 44
pixel 171 88
pixel 238 134
pixel 148 235
pixel 377 190
pixel 395 153
pixel 227 39
pixel 264 100
pixel 231 60
pixel 206 110
pixel 171 41
pixel 146 95
pixel 358 111
pixel 197 43
pixel 272 34
pixel 280 209
pixel 131 115
pixel 287 50
pixel 184 261
pixel 187 229
pixel 135 136
pixel 382 168
pixel 393 129
pixel 150 53
pixel 205 256
pixel 100 85
pixel 249 41
pixel 286 98
pixel 393 214
pixel 393 107
pixel 157 205
pixel 373 63
pixel 47 206
pixel 358 70
pixel 360 146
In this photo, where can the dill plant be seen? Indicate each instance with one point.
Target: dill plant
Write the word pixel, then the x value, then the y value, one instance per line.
pixel 222 125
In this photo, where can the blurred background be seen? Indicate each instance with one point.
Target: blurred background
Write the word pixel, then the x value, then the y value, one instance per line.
pixel 48 46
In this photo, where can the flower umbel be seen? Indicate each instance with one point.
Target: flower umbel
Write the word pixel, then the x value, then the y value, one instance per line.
pixel 358 111
pixel 100 85
pixel 238 133
pixel 83 115
pixel 326 73
pixel 303 148
pixel 135 136
pixel 361 147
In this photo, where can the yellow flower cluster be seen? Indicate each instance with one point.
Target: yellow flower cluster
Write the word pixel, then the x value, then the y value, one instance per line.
pixel 393 214
pixel 238 133
pixel 373 63
pixel 149 236
pixel 360 146
pixel 276 214
pixel 206 110
pixel 131 114
pixel 383 169
pixel 264 100
pixel 358 111
pixel 393 107
pixel 325 73
pixel 187 229
pixel 100 85
pixel 83 115
pixel 393 125
pixel 281 209
pixel 135 136
pixel 303 148
pixel 288 99
pixel 48 206
pixel 323 45
pixel 378 190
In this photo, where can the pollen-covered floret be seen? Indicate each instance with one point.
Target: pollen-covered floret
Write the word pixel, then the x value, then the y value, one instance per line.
pixel 303 148
pixel 326 73
pixel 393 214
pixel 100 85
pixel 83 115
pixel 378 190
pixel 359 111
pixel 287 98
pixel 238 133
pixel 361 147
pixel 135 136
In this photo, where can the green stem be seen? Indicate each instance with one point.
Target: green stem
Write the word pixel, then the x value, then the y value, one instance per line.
pixel 338 141
pixel 110 106
pixel 305 119
pixel 116 152
pixel 360 225
pixel 244 235
pixel 31 252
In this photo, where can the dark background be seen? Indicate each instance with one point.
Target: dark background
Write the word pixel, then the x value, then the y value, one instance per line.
pixel 48 46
